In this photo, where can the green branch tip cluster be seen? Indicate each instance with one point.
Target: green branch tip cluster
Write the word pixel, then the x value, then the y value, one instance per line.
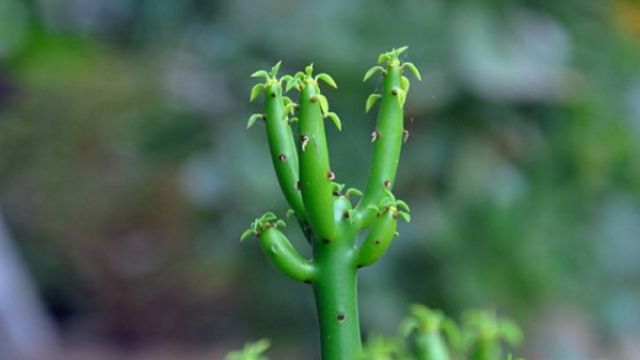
pixel 266 221
pixel 331 219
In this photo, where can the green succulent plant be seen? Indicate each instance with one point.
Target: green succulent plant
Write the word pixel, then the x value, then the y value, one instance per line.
pixel 330 219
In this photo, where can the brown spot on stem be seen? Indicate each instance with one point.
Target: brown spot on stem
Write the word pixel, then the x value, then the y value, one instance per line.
pixel 345 214
pixel 394 91
pixel 377 242
pixel 297 185
pixel 340 317
pixel 331 175
pixel 313 99
pixel 326 241
pixel 282 157
pixel 387 184
pixel 273 94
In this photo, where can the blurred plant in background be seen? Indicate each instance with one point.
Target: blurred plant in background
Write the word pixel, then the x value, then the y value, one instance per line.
pixel 124 185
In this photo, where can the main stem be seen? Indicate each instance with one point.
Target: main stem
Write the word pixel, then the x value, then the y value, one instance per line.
pixel 335 289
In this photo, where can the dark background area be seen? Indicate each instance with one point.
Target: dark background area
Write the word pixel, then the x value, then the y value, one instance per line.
pixel 127 175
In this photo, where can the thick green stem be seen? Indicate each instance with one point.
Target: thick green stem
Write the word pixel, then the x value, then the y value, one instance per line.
pixel 315 171
pixel 335 291
pixel 286 258
pixel 283 149
pixel 387 145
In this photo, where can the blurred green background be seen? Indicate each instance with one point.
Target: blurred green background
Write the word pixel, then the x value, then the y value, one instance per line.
pixel 126 174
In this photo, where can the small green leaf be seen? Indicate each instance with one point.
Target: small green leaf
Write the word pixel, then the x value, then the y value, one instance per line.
pixel 374 208
pixel 336 120
pixel 372 71
pixel 276 68
pixel 290 108
pixel 260 73
pixel 324 103
pixel 252 119
pixel 405 84
pixel 401 95
pixel 268 216
pixel 246 234
pixel 403 205
pixel 309 69
pixel 353 192
pixel 280 223
pixel 327 79
pixel 291 83
pixel 383 57
pixel 293 120
pixel 401 50
pixel 371 100
pixel 284 79
pixel 290 213
pixel 406 217
pixel 413 69
pixel 256 90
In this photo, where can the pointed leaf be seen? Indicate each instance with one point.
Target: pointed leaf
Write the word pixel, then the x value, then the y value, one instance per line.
pixel 285 78
pixel 268 216
pixel 354 192
pixel 383 57
pixel 327 79
pixel 309 69
pixel 324 103
pixel 280 223
pixel 403 205
pixel 401 50
pixel 290 213
pixel 255 91
pixel 402 96
pixel 371 100
pixel 291 83
pixel 413 69
pixel 290 108
pixel 260 73
pixel 372 71
pixel 374 208
pixel 406 217
pixel 252 119
pixel 390 195
pixel 276 68
pixel 405 84
pixel 336 120
pixel 246 234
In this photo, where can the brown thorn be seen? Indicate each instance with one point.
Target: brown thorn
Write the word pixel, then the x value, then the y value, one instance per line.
pixel 374 136
pixel 331 175
pixel 387 184
pixel 405 136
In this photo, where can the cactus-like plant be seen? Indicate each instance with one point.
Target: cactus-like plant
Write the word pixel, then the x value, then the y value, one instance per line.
pixel 329 220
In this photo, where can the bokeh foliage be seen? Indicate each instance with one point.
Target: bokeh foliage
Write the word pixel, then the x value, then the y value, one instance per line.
pixel 126 174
